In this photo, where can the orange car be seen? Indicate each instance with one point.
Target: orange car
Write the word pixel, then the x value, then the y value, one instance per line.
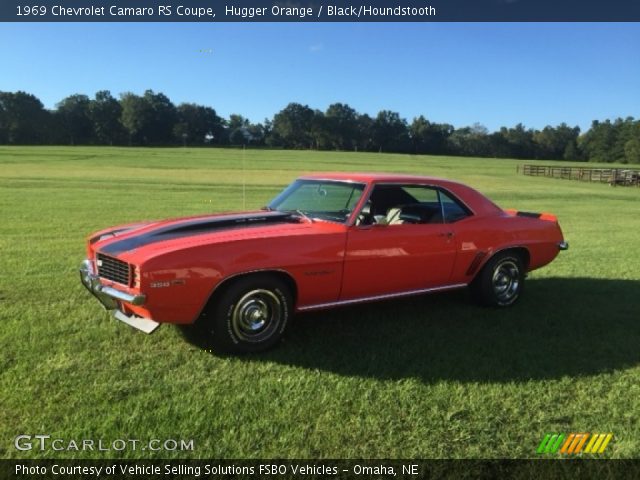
pixel 328 239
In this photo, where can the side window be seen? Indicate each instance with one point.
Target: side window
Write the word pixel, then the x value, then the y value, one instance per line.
pixel 391 204
pixel 453 210
pixel 403 204
pixel 426 195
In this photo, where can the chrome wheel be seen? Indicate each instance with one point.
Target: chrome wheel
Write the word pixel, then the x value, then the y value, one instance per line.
pixel 501 281
pixel 256 316
pixel 506 281
pixel 249 314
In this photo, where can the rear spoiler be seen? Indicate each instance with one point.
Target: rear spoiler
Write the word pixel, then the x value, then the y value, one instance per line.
pixel 550 217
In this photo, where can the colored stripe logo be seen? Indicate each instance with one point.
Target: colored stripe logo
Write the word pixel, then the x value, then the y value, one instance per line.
pixel 574 443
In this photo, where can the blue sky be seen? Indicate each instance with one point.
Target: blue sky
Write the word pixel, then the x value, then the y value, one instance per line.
pixel 494 74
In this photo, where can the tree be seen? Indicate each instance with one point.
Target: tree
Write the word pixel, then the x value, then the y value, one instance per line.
pixel 257 133
pixel 390 132
pixel 163 118
pixel 520 141
pixel 238 129
pixel 292 126
pixel 238 137
pixel 341 127
pixel 197 125
pixel 4 130
pixel 365 132
pixel 150 119
pixel 632 151
pixel 23 119
pixel 472 141
pixel 136 117
pixel 628 140
pixel 559 142
pixel 105 113
pixel 242 132
pixel 572 152
pixel 237 121
pixel 73 113
pixel 427 137
pixel 598 142
pixel 319 131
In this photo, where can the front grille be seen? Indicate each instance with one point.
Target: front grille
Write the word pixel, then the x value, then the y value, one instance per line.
pixel 113 269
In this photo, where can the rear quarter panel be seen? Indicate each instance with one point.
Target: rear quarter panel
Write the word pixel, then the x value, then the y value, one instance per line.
pixel 479 238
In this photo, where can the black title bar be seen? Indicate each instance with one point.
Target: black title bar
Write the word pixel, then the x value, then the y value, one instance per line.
pixel 278 469
pixel 319 11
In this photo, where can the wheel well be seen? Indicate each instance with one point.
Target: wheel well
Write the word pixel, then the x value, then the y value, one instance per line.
pixel 227 282
pixel 522 252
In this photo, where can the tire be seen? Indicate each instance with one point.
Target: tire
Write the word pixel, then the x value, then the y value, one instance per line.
pixel 501 281
pixel 250 315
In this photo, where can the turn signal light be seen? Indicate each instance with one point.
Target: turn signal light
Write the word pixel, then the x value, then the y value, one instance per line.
pixel 136 277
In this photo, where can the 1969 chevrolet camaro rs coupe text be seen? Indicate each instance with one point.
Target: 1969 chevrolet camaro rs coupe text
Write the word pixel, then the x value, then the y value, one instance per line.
pixel 326 240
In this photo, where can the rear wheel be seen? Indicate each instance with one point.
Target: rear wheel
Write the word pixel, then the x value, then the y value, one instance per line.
pixel 501 281
pixel 250 315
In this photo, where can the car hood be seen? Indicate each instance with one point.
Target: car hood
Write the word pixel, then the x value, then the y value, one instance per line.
pixel 179 231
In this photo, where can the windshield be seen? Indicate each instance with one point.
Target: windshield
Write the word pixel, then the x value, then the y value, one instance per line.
pixel 324 199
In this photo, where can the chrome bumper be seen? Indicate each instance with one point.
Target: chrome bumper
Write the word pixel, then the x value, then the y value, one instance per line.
pixel 563 246
pixel 108 296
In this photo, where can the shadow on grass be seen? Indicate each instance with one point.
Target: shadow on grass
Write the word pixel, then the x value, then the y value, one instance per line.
pixel 560 327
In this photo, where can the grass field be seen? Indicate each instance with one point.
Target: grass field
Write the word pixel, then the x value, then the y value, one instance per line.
pixel 434 376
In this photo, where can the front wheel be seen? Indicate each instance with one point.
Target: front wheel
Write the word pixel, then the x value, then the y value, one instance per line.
pixel 500 282
pixel 250 315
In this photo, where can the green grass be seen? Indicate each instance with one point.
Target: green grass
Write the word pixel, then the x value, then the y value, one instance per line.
pixel 434 376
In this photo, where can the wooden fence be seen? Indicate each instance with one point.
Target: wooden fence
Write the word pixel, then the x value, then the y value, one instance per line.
pixel 611 176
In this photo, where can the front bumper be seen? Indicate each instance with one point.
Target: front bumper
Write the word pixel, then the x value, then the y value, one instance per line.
pixel 110 297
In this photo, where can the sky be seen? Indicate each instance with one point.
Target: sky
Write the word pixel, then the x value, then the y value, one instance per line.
pixel 493 74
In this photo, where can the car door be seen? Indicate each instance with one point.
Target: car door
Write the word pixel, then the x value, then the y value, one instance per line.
pixel 390 256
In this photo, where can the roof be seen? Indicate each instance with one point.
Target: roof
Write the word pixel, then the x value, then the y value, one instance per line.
pixel 471 197
pixel 368 177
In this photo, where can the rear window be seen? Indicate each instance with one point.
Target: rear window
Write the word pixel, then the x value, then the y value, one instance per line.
pixel 453 210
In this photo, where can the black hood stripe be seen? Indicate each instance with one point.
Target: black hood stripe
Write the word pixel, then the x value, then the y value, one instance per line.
pixel 197 227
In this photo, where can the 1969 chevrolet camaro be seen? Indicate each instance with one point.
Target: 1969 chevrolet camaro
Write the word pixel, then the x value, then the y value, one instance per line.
pixel 328 239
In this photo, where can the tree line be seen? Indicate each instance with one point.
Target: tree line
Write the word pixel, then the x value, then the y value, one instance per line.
pixel 152 119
